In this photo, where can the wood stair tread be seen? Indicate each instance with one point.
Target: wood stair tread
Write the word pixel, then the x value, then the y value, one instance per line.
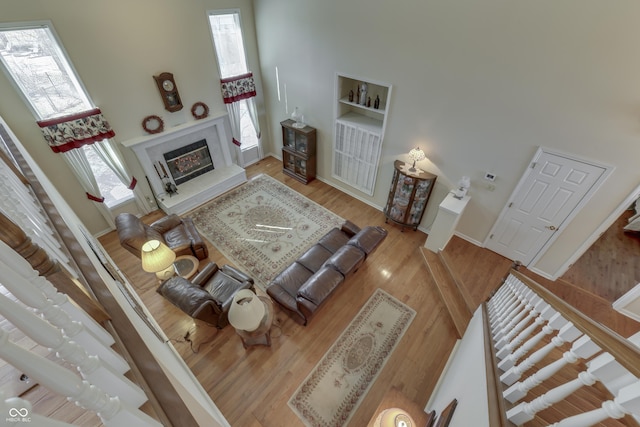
pixel 449 291
pixel 462 289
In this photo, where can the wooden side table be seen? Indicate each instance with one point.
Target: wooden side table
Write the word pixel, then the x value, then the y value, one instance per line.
pixel 186 266
pixel 262 335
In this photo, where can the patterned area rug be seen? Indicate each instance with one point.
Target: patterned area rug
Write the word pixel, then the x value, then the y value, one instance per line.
pixel 330 395
pixel 263 226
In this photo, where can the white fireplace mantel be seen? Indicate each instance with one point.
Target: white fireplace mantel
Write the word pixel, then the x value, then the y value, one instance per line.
pixel 150 149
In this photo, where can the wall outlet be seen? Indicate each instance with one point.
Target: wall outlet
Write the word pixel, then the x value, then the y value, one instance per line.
pixel 490 176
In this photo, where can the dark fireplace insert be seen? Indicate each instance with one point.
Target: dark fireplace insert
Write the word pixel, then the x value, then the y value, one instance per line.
pixel 188 162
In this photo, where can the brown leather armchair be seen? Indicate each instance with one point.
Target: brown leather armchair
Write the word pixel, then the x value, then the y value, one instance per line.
pixel 179 234
pixel 209 294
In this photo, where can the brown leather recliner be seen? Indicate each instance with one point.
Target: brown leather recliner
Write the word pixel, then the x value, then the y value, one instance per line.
pixel 179 234
pixel 209 294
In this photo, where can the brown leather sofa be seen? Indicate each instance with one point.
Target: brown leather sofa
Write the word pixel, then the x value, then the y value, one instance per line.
pixel 209 294
pixel 179 234
pixel 306 284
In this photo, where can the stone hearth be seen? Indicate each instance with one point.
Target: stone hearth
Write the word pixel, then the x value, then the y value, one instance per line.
pixel 150 149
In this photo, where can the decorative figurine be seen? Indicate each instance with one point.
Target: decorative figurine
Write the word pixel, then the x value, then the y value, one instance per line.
pixel 351 95
pixel 362 100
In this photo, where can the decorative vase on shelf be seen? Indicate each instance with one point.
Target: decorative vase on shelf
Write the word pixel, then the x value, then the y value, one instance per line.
pixel 298 118
pixel 362 100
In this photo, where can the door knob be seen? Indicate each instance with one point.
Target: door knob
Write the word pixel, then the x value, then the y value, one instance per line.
pixel 551 227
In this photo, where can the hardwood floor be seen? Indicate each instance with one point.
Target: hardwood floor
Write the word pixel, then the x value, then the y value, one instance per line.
pixel 251 387
pixel 611 267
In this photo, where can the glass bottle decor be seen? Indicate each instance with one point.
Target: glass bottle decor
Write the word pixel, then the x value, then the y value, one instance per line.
pixel 298 118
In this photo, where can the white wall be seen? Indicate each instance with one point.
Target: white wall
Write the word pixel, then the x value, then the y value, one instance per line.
pixel 465 379
pixel 478 85
pixel 116 48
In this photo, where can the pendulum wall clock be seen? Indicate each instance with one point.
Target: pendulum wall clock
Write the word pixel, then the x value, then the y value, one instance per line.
pixel 168 91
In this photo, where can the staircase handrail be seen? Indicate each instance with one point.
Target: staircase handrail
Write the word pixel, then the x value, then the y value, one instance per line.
pixel 623 350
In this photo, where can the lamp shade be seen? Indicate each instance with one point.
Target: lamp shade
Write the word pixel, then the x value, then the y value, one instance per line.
pixel 156 256
pixel 246 311
pixel 416 155
pixel 394 417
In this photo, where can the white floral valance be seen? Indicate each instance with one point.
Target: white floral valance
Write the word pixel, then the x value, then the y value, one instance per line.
pixel 69 132
pixel 237 88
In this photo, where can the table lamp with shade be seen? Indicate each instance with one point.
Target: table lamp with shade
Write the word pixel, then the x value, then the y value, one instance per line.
pixel 246 311
pixel 394 417
pixel 158 258
pixel 416 155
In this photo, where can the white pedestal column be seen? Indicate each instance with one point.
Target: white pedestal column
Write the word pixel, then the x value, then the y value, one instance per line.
pixel 443 227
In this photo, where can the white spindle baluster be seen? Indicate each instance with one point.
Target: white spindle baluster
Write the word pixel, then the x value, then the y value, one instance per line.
pixel 498 299
pixel 22 207
pixel 111 410
pixel 31 295
pixel 503 304
pixel 18 412
pixel 582 348
pixel 555 323
pixel 544 313
pixel 506 302
pixel 626 402
pixel 567 333
pixel 22 267
pixel 508 322
pixel 90 367
pixel 532 308
pixel 603 368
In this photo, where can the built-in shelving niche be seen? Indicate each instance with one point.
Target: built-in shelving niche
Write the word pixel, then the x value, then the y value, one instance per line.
pixel 359 131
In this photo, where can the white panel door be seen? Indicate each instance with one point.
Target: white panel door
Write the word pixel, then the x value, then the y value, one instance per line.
pixel 547 195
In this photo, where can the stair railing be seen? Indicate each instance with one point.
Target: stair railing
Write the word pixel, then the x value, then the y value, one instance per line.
pixel 524 320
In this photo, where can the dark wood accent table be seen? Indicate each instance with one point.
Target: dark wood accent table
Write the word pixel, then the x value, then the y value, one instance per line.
pixel 262 335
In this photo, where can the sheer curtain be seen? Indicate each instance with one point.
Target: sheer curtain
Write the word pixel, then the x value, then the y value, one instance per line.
pixel 236 90
pixel 81 168
pixel 112 158
pixel 66 134
pixel 237 84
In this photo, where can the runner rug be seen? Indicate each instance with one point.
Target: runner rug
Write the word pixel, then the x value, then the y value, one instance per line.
pixel 262 226
pixel 332 392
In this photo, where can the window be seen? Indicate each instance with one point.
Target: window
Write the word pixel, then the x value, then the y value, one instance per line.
pixel 232 61
pixel 40 69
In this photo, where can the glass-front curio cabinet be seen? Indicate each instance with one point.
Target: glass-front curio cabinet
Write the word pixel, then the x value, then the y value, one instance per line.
pixel 408 195
pixel 298 151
